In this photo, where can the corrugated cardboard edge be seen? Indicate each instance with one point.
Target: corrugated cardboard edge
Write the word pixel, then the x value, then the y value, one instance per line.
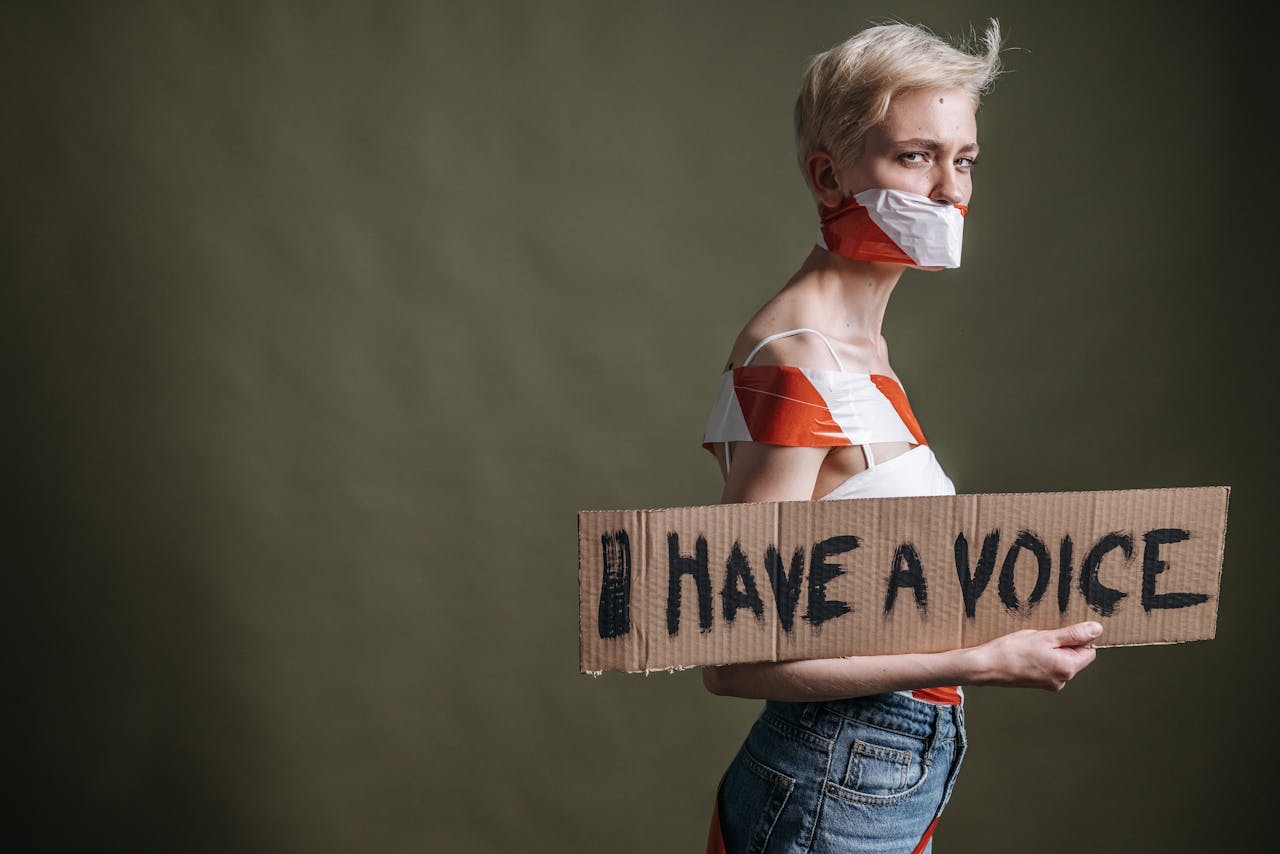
pixel 582 650
pixel 1222 557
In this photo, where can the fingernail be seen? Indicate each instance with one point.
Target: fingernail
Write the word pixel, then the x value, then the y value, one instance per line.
pixel 1095 629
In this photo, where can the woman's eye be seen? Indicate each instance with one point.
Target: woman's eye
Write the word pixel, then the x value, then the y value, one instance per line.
pixel 913 157
pixel 967 162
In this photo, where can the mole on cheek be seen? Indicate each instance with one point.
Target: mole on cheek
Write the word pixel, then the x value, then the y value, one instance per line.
pixel 941 100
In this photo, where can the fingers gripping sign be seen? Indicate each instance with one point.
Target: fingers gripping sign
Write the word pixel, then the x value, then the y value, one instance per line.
pixel 1030 658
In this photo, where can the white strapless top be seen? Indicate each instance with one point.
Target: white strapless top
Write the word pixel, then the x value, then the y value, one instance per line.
pixel 915 472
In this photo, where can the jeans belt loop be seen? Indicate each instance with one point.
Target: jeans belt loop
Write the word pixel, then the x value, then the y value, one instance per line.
pixel 809 713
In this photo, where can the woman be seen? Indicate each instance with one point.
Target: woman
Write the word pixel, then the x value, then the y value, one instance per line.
pixel 859 753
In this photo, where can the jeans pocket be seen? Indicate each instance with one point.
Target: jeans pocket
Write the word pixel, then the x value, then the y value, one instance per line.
pixel 883 768
pixel 752 797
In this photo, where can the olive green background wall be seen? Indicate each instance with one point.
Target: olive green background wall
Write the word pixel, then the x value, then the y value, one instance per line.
pixel 322 321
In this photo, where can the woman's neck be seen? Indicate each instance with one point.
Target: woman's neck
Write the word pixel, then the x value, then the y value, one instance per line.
pixel 855 292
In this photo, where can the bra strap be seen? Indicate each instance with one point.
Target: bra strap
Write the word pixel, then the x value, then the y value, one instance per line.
pixel 775 336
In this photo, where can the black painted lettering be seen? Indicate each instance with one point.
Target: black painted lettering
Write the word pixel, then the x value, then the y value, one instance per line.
pixel 614 617
pixel 907 571
pixel 1064 574
pixel 972 584
pixel 786 584
pixel 1100 597
pixel 678 566
pixel 821 608
pixel 1152 566
pixel 1028 541
pixel 737 567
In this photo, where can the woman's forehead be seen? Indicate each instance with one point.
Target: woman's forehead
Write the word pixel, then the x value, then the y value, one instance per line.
pixel 943 115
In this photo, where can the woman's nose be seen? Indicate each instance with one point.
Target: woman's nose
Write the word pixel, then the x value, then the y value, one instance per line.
pixel 947 189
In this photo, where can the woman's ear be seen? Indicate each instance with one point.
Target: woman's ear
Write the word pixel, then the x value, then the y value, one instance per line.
pixel 820 171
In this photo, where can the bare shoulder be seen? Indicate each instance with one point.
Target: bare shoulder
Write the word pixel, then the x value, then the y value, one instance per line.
pixel 804 349
pixel 789 311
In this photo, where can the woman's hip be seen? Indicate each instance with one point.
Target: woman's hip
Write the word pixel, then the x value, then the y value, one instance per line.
pixel 872 772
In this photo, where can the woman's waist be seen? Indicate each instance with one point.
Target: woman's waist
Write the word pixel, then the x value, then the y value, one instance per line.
pixel 894 711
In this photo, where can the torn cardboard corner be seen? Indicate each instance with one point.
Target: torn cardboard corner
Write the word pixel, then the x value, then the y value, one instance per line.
pixel 667 589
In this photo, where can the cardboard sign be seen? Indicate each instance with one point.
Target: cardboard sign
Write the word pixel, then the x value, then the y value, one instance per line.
pixel 775 581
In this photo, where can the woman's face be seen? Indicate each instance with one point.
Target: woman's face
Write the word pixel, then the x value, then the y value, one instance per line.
pixel 927 145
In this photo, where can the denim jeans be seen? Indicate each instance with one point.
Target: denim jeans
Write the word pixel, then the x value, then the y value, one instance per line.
pixel 867 774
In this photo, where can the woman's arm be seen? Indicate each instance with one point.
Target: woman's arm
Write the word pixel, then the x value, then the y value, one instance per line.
pixel 1025 659
pixel 759 472
pixel 1028 659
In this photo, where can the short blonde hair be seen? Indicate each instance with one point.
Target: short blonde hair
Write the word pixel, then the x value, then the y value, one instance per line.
pixel 847 89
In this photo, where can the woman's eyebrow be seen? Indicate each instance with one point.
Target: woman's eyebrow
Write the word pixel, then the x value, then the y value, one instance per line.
pixel 932 145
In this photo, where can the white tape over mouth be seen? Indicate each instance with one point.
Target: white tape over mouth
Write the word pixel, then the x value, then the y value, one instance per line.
pixel 930 232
